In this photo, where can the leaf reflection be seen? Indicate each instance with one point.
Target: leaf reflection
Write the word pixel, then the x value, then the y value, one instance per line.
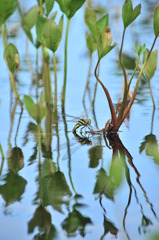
pixel 42 220
pixel 75 222
pixel 55 189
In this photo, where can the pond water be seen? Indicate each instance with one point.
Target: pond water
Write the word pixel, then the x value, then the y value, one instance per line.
pixel 72 193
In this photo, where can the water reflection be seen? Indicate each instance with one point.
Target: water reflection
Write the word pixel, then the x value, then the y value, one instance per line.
pixel 14 185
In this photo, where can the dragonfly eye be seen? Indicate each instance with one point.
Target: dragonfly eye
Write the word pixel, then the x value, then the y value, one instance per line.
pixel 89 121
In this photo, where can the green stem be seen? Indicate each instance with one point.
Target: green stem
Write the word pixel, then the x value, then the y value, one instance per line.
pixel 88 77
pixel 122 66
pixel 132 77
pixel 152 95
pixel 136 87
pixel 3 36
pixel 39 144
pixel 55 75
pixel 65 65
pixel 112 110
pixel 125 79
pixel 41 8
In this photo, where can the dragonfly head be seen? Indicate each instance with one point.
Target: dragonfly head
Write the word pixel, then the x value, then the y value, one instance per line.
pixel 88 121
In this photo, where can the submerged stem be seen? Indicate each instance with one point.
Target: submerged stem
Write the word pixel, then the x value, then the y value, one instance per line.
pixel 65 65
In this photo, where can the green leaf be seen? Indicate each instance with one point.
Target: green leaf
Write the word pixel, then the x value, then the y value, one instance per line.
pixel 36 111
pixel 11 56
pixel 102 23
pixel 151 65
pixel 7 8
pixel 30 17
pixel 39 26
pixel 128 14
pixel 91 44
pixel 146 52
pixel 49 5
pixel 49 33
pixel 156 20
pixel 106 50
pixel 90 16
pixel 70 7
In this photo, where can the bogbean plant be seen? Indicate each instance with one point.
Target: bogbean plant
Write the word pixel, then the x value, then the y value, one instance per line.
pixel 49 35
pixel 103 38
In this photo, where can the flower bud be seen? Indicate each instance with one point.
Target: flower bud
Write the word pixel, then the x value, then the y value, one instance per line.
pixel 106 37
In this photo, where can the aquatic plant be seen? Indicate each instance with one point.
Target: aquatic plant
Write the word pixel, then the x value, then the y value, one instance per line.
pixel 102 36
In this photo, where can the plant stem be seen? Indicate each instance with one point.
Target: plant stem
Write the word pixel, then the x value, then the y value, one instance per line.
pixel 88 77
pixel 112 110
pixel 123 68
pixel 55 75
pixel 136 87
pixel 3 36
pixel 152 95
pixel 65 65
pixel 125 79
pixel 95 89
pixel 41 8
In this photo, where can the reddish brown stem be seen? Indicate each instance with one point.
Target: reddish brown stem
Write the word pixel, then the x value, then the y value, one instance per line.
pixel 112 110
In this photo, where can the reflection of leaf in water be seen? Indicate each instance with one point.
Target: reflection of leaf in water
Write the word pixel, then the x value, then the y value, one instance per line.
pixel 145 222
pixel 13 188
pixel 55 188
pixel 151 147
pixel 31 128
pixel 95 154
pixel 41 219
pixel 15 159
pixel 116 170
pixel 104 185
pixel 75 221
pixel 109 227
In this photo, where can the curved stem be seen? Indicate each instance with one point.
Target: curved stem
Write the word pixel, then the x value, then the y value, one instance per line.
pixel 112 110
pixel 65 65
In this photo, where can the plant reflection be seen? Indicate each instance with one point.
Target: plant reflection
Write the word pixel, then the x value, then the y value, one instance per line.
pixel 150 144
pixel 14 185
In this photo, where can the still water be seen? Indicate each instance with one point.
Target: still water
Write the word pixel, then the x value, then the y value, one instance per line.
pixel 68 189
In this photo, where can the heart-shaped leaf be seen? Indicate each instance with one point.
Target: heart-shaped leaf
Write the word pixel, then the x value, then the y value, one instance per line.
pixel 7 8
pixel 91 44
pixel 49 33
pixel 11 56
pixel 156 20
pixel 49 5
pixel 128 13
pixel 70 7
pixel 151 65
pixel 36 111
pixel 29 18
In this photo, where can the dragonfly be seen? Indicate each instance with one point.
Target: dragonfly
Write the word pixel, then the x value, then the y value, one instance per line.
pixel 80 122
